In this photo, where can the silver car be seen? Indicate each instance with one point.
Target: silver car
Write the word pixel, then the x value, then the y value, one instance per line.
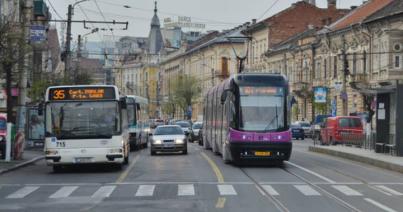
pixel 168 138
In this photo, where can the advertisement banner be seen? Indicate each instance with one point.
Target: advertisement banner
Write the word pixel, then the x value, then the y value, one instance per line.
pixel 320 94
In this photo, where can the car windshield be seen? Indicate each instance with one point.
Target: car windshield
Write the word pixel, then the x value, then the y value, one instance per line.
pixel 168 131
pixel 197 126
pixel 80 120
pixel 295 126
pixel 262 113
pixel 305 124
pixel 183 124
pixel 349 122
pixel 3 124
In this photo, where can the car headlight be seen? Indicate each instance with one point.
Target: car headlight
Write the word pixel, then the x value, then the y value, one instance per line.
pixel 147 130
pixel 179 141
pixel 157 142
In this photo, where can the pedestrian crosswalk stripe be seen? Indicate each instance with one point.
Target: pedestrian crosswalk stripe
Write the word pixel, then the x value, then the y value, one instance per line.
pixel 186 190
pixel 145 190
pixel 389 190
pixel 307 190
pixel 103 192
pixel 226 190
pixel 269 189
pixel 23 192
pixel 379 205
pixel 63 192
pixel 347 190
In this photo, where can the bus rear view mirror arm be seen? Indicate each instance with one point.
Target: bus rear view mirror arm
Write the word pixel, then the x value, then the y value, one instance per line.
pixel 224 95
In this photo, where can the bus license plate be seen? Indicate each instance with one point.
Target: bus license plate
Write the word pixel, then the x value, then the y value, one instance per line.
pixel 83 160
pixel 263 154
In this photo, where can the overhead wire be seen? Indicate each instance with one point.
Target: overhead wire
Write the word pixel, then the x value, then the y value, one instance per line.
pixel 103 16
pixel 53 8
pixel 268 9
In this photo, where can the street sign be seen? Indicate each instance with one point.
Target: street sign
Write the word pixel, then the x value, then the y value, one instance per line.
pixel 37 33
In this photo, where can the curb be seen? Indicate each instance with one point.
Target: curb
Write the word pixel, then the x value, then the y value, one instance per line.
pixel 20 165
pixel 358 158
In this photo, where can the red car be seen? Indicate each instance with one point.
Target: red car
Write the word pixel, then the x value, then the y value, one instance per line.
pixel 342 130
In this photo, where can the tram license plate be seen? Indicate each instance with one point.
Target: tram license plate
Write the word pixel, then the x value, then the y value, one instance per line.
pixel 82 160
pixel 264 154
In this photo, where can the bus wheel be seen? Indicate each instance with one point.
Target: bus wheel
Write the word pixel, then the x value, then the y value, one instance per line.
pixel 214 148
pixel 57 168
pixel 225 154
pixel 206 145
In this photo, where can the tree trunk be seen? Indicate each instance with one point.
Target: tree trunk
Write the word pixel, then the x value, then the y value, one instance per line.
pixel 8 70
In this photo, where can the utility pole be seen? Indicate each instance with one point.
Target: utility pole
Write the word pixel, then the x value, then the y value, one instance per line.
pixel 68 43
pixel 78 59
pixel 346 72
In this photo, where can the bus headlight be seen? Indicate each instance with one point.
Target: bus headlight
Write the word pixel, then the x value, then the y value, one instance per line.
pixel 157 142
pixel 114 151
pixel 179 141
pixel 51 152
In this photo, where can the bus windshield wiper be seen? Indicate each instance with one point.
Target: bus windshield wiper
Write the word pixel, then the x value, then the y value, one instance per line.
pixel 275 118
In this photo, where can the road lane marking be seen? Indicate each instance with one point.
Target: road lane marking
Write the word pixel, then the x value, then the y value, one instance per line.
pixel 347 190
pixel 379 205
pixel 123 176
pixel 23 192
pixel 145 191
pixel 215 168
pixel 186 190
pixel 311 172
pixel 220 202
pixel 226 190
pixel 307 190
pixel 269 189
pixel 104 192
pixel 63 192
pixel 389 190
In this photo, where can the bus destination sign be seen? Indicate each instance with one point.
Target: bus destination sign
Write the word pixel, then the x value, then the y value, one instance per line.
pixel 260 91
pixel 83 93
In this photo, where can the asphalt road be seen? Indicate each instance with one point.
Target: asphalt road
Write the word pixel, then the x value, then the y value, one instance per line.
pixel 200 181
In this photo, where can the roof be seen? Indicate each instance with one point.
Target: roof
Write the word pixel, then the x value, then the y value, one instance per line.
pixel 291 41
pixel 358 15
pixel 394 8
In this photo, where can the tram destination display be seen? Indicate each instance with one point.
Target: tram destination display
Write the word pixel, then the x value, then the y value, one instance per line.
pixel 81 93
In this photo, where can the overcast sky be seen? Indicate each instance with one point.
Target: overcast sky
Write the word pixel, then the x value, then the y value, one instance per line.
pixel 216 14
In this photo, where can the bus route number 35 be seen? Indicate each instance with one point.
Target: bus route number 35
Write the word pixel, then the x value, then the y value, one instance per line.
pixel 59 94
pixel 60 144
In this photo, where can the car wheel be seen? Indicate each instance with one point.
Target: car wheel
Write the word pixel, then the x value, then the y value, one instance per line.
pixel 126 160
pixel 303 138
pixel 200 143
pixel 332 142
pixel 146 145
pixel 152 152
pixel 185 152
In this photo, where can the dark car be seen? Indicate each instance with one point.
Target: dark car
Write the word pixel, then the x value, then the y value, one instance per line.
pixel 3 134
pixel 195 132
pixel 297 132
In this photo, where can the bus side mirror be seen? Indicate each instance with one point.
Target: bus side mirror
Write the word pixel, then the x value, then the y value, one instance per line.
pixel 138 106
pixel 40 109
pixel 123 103
pixel 224 95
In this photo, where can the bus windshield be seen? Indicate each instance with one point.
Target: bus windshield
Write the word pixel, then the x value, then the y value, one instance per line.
pixel 83 120
pixel 262 113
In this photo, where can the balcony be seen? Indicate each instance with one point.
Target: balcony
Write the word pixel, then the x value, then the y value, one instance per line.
pixel 358 81
pixel 302 89
pixel 40 8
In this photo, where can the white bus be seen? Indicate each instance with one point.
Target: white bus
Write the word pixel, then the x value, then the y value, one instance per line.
pixel 85 125
pixel 137 109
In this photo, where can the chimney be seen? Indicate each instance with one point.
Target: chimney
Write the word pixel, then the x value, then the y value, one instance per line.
pixel 254 21
pixel 313 2
pixel 331 4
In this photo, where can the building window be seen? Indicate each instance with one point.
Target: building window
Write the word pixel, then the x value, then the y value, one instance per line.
pixel 325 68
pixel 365 62
pixel 224 67
pixel 354 63
pixel 334 66
pixel 397 63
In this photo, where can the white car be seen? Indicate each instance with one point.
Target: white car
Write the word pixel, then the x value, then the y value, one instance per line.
pixel 186 127
pixel 168 138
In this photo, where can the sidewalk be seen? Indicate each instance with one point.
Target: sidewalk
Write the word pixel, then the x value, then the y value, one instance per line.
pixel 362 155
pixel 29 157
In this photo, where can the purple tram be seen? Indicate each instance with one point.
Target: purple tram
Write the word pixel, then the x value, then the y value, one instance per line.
pixel 246 118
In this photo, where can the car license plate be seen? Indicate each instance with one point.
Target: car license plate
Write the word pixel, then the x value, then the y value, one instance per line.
pixel 83 160
pixel 169 145
pixel 263 154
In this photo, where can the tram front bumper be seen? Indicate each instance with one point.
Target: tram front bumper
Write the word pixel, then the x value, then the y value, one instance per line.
pixel 260 150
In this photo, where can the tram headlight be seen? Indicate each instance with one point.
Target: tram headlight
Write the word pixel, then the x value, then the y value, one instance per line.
pixel 157 142
pixel 179 141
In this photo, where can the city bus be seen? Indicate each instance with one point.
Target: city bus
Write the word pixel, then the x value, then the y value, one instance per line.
pixel 85 125
pixel 137 109
pixel 246 118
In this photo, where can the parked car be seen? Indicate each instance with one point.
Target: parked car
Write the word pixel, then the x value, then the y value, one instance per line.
pixel 168 138
pixel 297 132
pixel 195 132
pixel 307 128
pixel 186 127
pixel 316 125
pixel 342 130
pixel 201 136
pixel 3 135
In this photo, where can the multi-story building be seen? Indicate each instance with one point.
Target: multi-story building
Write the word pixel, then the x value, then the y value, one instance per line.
pixel 210 60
